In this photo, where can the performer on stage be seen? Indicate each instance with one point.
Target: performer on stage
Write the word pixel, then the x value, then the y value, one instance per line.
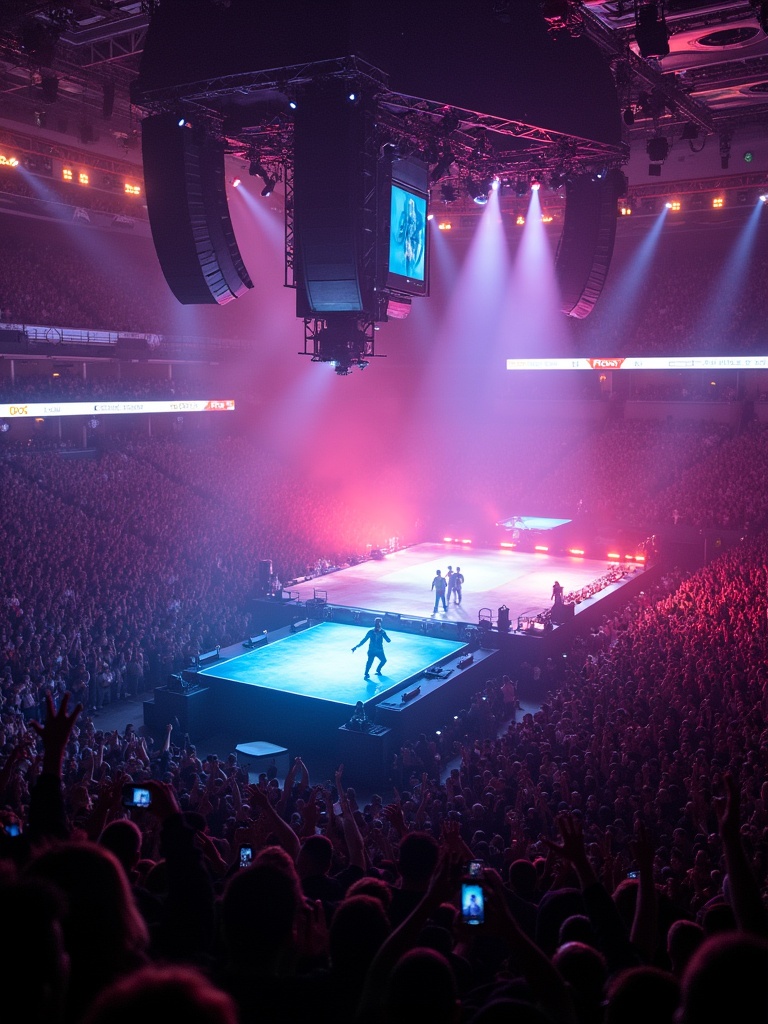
pixel 375 638
pixel 449 579
pixel 557 594
pixel 439 585
pixel 458 580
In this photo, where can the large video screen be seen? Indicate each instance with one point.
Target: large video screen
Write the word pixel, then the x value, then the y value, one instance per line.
pixel 407 240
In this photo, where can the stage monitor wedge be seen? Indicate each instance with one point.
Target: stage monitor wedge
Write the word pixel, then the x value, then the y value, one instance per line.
pixel 189 214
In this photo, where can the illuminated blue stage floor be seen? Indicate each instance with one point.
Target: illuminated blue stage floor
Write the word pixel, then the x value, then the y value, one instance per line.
pixel 318 662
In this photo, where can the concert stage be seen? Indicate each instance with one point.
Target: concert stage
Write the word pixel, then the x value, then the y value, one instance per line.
pixel 400 582
pixel 297 689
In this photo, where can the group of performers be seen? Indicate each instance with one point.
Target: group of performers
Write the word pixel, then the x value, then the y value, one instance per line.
pixel 446 587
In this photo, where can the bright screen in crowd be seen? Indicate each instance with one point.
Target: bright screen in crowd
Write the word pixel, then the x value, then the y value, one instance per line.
pixel 408 237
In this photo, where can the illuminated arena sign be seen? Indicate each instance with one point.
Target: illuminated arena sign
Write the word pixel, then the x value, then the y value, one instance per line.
pixel 644 363
pixel 39 410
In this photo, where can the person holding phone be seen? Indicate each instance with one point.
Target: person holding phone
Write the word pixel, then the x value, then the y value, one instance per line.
pixel 472 904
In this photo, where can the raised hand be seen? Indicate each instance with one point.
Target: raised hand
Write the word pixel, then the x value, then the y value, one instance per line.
pixel 56 730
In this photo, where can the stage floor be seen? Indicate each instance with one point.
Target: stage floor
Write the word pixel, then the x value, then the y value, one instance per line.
pixel 318 662
pixel 400 583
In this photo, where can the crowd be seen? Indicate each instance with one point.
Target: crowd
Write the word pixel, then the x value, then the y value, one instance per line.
pixel 619 838
pixel 726 490
pixel 74 277
pixel 71 387
pixel 71 193
pixel 684 303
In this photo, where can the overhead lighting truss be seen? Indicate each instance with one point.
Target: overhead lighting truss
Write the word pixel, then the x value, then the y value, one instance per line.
pixel 479 142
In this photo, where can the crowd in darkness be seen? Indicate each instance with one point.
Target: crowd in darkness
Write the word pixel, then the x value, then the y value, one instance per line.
pixel 647 758
pixel 69 387
pixel 620 830
pixel 67 283
pixel 678 306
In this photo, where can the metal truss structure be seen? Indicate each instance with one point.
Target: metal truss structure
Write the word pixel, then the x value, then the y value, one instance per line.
pixel 478 141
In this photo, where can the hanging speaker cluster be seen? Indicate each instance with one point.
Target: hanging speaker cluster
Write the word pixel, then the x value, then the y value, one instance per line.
pixel 586 244
pixel 188 212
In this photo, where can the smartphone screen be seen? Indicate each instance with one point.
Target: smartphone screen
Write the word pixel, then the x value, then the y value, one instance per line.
pixel 475 869
pixel 246 856
pixel 136 796
pixel 472 903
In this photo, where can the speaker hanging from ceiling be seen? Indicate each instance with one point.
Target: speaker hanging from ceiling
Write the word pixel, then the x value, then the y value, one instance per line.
pixel 586 245
pixel 188 212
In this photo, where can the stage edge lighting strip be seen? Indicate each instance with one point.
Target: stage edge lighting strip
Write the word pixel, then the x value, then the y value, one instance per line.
pixel 43 409
pixel 644 363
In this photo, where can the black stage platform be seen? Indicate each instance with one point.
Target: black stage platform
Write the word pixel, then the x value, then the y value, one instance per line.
pixel 298 686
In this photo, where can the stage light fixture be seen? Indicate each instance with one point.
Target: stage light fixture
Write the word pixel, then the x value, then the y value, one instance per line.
pixel 442 168
pixel 763 197
pixel 519 220
pixel 480 189
pixel 257 170
pixel 651 32
pixel 718 202
pixel 495 184
pixel 557 179
pixel 725 149
pixel 657 149
pixel 673 204
pixel 535 185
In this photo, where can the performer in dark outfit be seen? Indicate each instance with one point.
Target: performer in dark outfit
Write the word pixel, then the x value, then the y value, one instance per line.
pixel 557 593
pixel 458 581
pixel 451 583
pixel 375 638
pixel 439 585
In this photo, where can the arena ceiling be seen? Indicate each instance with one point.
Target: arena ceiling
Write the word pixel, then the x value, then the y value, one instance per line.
pixel 713 81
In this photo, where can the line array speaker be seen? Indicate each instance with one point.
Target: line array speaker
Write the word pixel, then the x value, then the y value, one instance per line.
pixel 188 212
pixel 330 191
pixel 586 244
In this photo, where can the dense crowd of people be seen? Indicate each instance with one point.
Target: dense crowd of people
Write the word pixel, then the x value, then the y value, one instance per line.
pixel 66 282
pixel 600 860
pixel 618 838
pixel 679 304
pixel 72 387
